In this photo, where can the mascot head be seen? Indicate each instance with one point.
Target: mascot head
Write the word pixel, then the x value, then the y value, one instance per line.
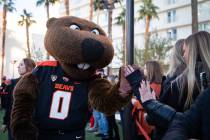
pixel 80 46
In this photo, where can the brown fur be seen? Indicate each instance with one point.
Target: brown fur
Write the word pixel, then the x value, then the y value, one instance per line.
pixel 25 94
pixel 66 46
pixel 104 97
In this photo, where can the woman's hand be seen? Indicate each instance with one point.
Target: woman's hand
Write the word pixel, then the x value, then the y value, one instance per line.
pixel 145 92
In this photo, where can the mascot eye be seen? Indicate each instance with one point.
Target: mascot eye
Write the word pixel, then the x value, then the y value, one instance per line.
pixel 95 31
pixel 74 27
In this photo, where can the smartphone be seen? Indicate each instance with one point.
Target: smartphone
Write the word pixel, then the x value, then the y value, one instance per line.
pixel 203 81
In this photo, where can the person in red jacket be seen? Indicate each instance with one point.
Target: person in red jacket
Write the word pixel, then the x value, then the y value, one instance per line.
pixel 153 73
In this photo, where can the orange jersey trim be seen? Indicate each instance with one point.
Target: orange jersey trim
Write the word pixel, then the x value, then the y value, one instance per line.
pixel 48 63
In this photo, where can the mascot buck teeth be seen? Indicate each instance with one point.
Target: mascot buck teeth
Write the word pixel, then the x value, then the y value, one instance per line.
pixel 51 103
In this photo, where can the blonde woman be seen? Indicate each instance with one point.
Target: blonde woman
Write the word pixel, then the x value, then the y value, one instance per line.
pixel 197 56
pixel 177 63
pixel 176 67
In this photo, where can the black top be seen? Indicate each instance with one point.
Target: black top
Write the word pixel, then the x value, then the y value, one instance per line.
pixel 170 95
pixel 9 89
pixel 62 102
pixel 191 122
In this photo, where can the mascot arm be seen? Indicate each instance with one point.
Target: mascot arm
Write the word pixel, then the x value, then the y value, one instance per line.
pixel 25 94
pixel 105 97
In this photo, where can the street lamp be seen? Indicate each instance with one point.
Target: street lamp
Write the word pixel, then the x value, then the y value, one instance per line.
pixel 13 67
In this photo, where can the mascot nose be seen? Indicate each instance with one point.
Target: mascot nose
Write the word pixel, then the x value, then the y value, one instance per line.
pixel 92 50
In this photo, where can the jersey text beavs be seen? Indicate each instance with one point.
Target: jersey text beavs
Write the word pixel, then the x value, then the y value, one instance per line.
pixel 62 102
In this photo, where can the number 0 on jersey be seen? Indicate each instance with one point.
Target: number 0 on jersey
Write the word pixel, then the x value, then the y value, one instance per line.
pixel 60 105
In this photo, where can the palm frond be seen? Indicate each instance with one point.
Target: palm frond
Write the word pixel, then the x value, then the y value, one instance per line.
pixel 40 2
pixel 53 1
pixel 31 22
pixel 10 6
pixel 120 20
pixel 98 5
pixel 26 18
pixel 21 23
pixel 147 9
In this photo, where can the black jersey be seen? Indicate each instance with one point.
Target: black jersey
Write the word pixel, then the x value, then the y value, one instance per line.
pixel 62 102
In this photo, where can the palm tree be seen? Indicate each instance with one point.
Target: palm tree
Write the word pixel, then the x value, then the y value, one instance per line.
pixel 47 5
pixel 66 3
pixel 8 6
pixel 194 7
pixel 26 20
pixel 91 10
pixel 121 21
pixel 147 11
pixel 110 13
pixel 109 5
pixel 98 6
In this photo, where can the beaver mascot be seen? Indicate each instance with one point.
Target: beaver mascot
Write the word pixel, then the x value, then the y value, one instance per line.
pixel 51 103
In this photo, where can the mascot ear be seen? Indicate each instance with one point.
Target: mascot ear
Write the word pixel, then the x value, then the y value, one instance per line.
pixel 50 21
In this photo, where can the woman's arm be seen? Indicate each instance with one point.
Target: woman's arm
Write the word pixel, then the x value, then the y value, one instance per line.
pixel 162 114
pixel 190 122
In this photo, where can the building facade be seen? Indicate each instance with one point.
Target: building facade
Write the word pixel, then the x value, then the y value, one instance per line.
pixel 174 20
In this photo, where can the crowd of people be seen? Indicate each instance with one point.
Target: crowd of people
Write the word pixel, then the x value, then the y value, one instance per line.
pixel 172 106
pixel 181 111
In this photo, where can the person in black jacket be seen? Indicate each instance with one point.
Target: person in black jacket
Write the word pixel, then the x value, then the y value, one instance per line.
pixel 187 85
pixel 25 66
pixel 176 68
pixel 191 122
pixel 3 93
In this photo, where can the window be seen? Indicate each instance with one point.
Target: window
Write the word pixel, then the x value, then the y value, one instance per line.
pixel 74 2
pixel 171 2
pixel 204 10
pixel 204 26
pixel 171 16
pixel 172 33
